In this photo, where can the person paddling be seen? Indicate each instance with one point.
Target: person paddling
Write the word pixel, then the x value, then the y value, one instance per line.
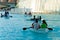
pixel 36 25
pixel 34 17
pixel 39 18
pixel 1 15
pixel 44 24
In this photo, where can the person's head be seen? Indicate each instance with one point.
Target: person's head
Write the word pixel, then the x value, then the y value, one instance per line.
pixel 36 20
pixel 34 16
pixel 44 21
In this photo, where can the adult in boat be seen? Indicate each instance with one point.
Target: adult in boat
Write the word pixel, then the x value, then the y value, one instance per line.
pixel 29 13
pixel 36 25
pixel 1 15
pixel 34 18
pixel 40 18
pixel 44 24
pixel 6 14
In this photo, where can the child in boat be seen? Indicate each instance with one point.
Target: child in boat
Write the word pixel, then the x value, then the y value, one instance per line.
pixel 44 24
pixel 36 25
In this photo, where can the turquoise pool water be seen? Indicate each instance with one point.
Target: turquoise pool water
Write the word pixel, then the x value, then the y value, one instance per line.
pixel 11 28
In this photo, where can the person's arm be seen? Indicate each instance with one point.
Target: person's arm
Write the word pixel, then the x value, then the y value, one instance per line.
pixel 32 25
pixel 39 26
pixel 46 24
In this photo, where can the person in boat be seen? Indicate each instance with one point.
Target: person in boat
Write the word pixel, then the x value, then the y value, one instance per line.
pixel 34 18
pixel 36 25
pixel 6 14
pixel 44 24
pixel 1 15
pixel 30 13
pixel 39 18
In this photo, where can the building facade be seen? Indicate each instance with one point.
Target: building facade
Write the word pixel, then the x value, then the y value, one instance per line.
pixel 40 5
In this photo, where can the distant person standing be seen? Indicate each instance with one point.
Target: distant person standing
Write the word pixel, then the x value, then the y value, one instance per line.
pixel 40 18
pixel 34 17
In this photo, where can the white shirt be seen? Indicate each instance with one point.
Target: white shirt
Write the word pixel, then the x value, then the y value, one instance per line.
pixel 36 25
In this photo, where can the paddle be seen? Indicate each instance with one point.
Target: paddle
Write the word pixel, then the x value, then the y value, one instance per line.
pixel 11 16
pixel 50 28
pixel 26 28
pixel 31 27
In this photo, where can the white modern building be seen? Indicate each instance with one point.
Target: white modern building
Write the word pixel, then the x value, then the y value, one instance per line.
pixel 44 6
pixel 39 5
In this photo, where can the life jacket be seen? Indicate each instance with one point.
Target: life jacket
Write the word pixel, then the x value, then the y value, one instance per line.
pixel 43 25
